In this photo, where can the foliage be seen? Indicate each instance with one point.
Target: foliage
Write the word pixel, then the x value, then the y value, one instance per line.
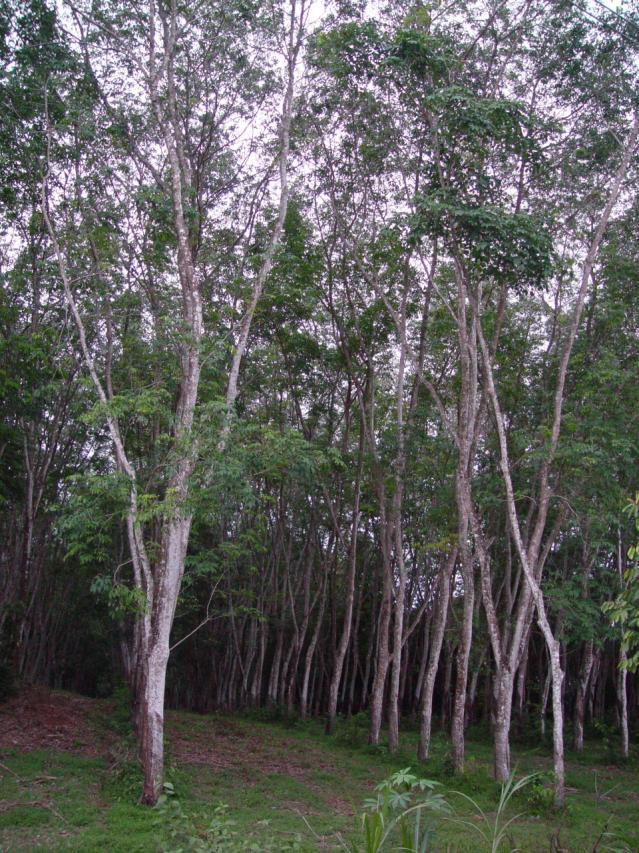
pixel 447 173
pixel 402 810
pixel 624 610
pixel 540 797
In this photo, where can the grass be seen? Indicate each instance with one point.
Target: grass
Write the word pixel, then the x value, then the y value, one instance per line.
pixel 289 780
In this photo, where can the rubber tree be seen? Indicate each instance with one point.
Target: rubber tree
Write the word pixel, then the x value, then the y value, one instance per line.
pixel 190 79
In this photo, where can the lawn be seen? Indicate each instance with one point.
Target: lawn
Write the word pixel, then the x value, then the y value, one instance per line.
pixel 74 785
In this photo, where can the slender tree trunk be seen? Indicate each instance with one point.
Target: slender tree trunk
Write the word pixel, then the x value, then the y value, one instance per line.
pixel 256 685
pixel 342 647
pixel 274 677
pixel 622 699
pixel 383 629
pixel 439 628
pixel 355 657
pixel 155 660
pixel 449 650
pixel 522 673
pixel 305 702
pixel 580 697
pixel 558 721
pixel 421 675
pixel 398 631
pixel 622 673
pixel 544 703
pixel 368 665
pixel 461 681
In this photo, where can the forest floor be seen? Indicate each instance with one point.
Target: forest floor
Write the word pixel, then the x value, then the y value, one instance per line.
pixel 69 781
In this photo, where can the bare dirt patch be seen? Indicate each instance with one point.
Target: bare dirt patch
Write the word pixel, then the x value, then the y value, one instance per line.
pixel 45 719
pixel 230 747
pixel 224 745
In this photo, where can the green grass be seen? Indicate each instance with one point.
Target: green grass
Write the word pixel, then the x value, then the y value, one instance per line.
pixel 294 779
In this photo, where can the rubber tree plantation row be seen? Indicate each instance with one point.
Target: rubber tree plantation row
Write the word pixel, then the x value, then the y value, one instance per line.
pixel 319 368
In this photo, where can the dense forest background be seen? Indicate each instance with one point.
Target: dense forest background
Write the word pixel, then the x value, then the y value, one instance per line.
pixel 319 373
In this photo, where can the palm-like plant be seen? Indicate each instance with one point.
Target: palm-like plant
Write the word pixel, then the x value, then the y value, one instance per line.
pixel 394 820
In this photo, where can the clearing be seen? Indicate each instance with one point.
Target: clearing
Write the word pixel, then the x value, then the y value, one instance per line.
pixel 69 780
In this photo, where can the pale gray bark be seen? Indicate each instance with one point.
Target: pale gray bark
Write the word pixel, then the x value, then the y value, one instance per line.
pixel 342 648
pixel 305 702
pixel 298 12
pixel 529 556
pixel 622 699
pixel 580 697
pixel 437 638
pixel 160 579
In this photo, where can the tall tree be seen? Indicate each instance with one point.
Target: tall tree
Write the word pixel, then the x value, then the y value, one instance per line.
pixel 192 81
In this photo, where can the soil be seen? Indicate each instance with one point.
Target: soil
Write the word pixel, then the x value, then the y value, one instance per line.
pixel 39 718
pixel 46 719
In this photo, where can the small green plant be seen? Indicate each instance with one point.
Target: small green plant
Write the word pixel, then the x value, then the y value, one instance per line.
pixel 609 841
pixel 379 750
pixel 395 816
pixel 123 781
pixel 602 793
pixel 541 797
pixel 494 835
pixel 448 766
pixel 180 832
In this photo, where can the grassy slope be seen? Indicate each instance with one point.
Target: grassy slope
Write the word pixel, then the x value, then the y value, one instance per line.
pixel 296 779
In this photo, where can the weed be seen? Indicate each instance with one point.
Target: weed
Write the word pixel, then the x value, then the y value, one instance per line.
pixel 493 834
pixel 540 795
pixel 602 793
pixel 394 812
pixel 220 833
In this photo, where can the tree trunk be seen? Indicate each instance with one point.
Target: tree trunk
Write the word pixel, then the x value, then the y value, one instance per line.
pixel 503 694
pixel 355 666
pixel 463 650
pixel 449 650
pixel 421 675
pixel 310 652
pixel 580 697
pixel 398 635
pixel 383 623
pixel 439 628
pixel 544 703
pixel 622 698
pixel 558 722
pixel 342 647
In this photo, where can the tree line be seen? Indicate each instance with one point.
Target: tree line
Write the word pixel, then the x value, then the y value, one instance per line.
pixel 319 363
